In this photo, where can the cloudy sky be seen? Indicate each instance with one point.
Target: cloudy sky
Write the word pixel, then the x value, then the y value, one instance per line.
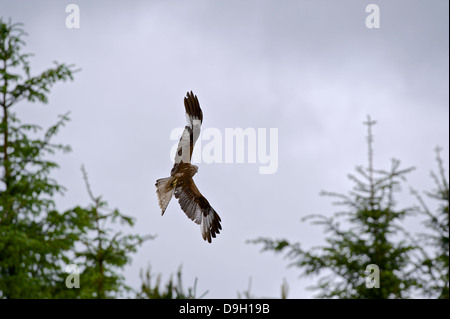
pixel 310 69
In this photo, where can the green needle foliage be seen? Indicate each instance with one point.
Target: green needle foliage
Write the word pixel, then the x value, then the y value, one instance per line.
pixel 246 294
pixel 38 242
pixel 151 287
pixel 367 232
pixel 104 250
pixel 434 261
pixel 35 239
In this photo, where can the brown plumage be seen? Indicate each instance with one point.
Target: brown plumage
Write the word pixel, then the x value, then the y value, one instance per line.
pixel 180 182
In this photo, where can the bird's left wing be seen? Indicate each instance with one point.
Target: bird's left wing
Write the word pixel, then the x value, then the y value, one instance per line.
pixel 198 209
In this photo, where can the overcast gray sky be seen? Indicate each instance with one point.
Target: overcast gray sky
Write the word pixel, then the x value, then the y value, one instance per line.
pixel 311 69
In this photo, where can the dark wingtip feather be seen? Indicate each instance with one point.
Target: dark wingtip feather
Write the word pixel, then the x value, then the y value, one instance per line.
pixel 192 106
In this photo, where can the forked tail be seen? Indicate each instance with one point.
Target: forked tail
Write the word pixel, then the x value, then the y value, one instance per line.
pixel 165 191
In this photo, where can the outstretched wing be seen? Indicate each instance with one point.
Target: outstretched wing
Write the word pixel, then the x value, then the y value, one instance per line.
pixel 198 209
pixel 191 131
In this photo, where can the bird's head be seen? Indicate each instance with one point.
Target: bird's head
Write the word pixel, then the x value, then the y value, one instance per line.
pixel 194 169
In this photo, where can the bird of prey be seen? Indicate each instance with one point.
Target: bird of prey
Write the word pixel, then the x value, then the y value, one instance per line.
pixel 180 182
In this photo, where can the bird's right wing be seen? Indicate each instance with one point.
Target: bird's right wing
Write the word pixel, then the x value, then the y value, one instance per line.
pixel 191 132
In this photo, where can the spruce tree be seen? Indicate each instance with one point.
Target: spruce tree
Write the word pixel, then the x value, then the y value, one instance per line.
pixel 363 241
pixel 151 287
pixel 37 241
pixel 434 242
pixel 35 238
pixel 104 250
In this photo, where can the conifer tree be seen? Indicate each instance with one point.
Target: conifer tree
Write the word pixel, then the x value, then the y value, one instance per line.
pixel 367 233
pixel 151 287
pixel 434 252
pixel 104 250
pixel 35 240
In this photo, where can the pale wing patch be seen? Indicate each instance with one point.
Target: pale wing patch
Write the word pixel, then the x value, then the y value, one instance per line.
pixel 210 225
pixel 184 147
pixel 196 125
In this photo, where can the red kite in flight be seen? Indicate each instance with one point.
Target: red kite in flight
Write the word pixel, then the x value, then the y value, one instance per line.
pixel 180 181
